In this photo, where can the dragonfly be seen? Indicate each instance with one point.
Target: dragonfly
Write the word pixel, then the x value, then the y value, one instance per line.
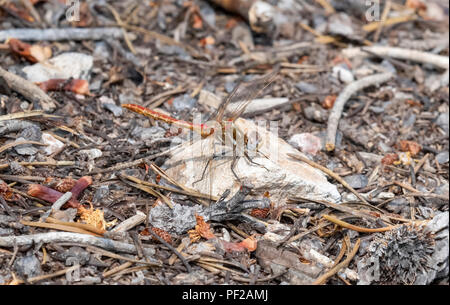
pixel 222 125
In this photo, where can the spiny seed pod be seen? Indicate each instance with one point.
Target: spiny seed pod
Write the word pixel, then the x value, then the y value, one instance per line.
pixel 65 185
pixel 260 213
pixel 397 256
pixel 160 232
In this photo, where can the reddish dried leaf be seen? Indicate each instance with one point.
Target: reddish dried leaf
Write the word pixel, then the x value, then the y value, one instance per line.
pixel 248 244
pixel 413 147
pixel 207 41
pixel 413 103
pixel 328 102
pixel 18 12
pixel 7 193
pixel 415 4
pixel 160 232
pixel 389 159
pixel 302 59
pixel 202 229
pixel 78 86
pixel 197 22
pixel 32 53
pixel 231 23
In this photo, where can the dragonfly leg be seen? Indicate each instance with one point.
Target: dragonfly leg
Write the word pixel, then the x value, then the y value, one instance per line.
pixel 233 165
pixel 253 162
pixel 203 173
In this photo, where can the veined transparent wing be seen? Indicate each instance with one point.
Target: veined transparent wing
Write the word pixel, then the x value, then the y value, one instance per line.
pixel 248 92
pixel 244 93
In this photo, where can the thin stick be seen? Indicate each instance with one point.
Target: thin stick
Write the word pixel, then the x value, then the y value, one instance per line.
pixel 83 226
pixel 356 228
pixel 80 34
pixel 323 279
pixel 117 269
pixel 181 257
pixel 29 90
pixel 192 193
pixel 124 165
pixel 47 276
pixel 387 9
pixel 400 53
pixel 20 115
pixel 56 206
pixel 12 144
pixel 64 237
pixel 121 257
pixel 58 227
pixel 44 163
pixel 338 107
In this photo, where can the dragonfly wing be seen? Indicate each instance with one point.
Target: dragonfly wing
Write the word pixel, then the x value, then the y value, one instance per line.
pixel 252 90
pixel 223 106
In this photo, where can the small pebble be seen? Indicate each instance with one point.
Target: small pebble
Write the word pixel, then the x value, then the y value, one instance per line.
pixel 92 153
pixel 27 266
pixel 184 102
pixel 356 181
pixel 306 142
pixel 442 157
pixel 306 87
pixel 116 110
pixel 54 144
pixel 343 74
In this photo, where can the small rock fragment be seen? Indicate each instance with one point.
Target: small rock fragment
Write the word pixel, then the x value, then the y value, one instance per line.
pixel 306 87
pixel 27 266
pixel 357 181
pixel 442 157
pixel 92 153
pixel 343 74
pixel 306 142
pixel 54 144
pixel 67 65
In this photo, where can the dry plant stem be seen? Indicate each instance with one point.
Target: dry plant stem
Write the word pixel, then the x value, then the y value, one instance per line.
pixel 56 206
pixel 180 256
pixel 370 27
pixel 121 257
pixel 58 227
pixel 83 226
pixel 67 237
pixel 45 163
pixel 27 179
pixel 62 34
pixel 323 279
pixel 117 269
pixel 12 144
pixel 29 90
pixel 47 276
pixel 401 53
pixel 338 107
pixel 130 223
pixel 387 9
pixel 20 115
pixel 331 174
pixel 151 192
pixel 356 228
pixel 125 165
pixel 192 193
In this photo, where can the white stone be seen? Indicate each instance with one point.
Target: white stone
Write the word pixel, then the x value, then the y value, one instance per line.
pixel 92 153
pixel 283 177
pixel 54 144
pixel 342 74
pixel 66 65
